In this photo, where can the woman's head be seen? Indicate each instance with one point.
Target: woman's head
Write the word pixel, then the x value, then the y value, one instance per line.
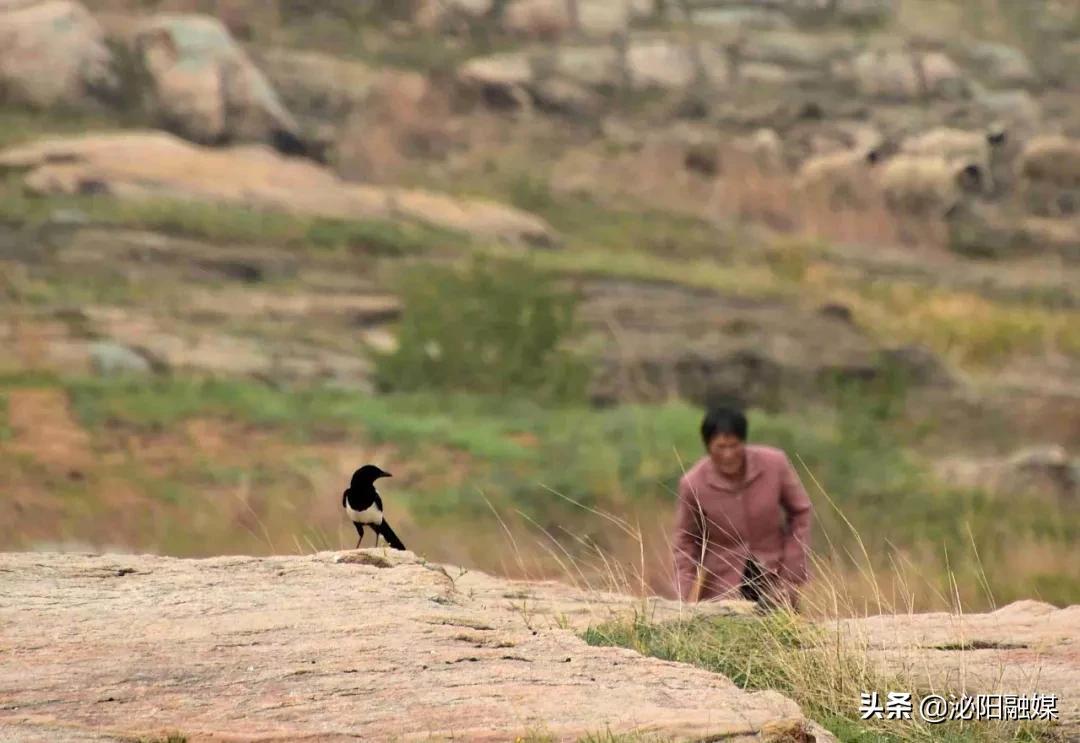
pixel 723 431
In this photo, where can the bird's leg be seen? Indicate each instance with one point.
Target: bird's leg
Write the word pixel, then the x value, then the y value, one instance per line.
pixel 376 539
pixel 359 534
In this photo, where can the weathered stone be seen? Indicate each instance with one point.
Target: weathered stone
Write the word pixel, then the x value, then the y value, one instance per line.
pixel 499 78
pixel 369 644
pixel 603 18
pixel 318 85
pixel 886 74
pixel 1026 647
pixel 1048 471
pixel 54 53
pixel 941 77
pixel 153 165
pixel 444 15
pixel 899 75
pixel 662 344
pixel 1015 109
pixel 1003 65
pixel 537 18
pixel 659 63
pixel 917 365
pixel 205 87
pixel 595 66
pixel 114 359
pixel 863 11
pixel 791 49
pixel 511 68
pixel 763 73
pixel 553 18
pixel 742 19
pixel 566 97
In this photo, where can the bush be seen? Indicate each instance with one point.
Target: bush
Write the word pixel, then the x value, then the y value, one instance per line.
pixel 496 327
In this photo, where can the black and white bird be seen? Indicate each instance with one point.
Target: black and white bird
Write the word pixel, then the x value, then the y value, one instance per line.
pixel 364 507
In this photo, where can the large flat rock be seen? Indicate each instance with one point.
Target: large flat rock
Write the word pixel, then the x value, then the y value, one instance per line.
pixel 364 645
pixel 148 165
pixel 1026 647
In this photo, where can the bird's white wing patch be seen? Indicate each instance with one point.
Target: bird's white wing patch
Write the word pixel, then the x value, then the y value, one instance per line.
pixel 370 515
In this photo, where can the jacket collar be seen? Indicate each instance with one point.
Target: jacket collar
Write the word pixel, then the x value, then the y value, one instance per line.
pixel 753 469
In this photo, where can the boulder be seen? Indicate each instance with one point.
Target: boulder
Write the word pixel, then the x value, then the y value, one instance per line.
pixel 792 49
pixel 450 15
pixel 1043 470
pixel 594 66
pixel 1046 469
pixel 111 359
pixel 917 365
pixel 1017 110
pixel 603 18
pixel 863 12
pixel 554 18
pixel 664 341
pixel 566 97
pixel 156 165
pixel 53 54
pixel 941 77
pixel 205 87
pixel 471 656
pixel 659 63
pixel 317 85
pixel 500 79
pixel 511 68
pixel 900 75
pixel 1003 65
pixel 887 75
pixel 742 19
pixel 537 18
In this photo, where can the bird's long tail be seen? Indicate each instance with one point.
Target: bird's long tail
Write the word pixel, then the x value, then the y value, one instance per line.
pixel 388 534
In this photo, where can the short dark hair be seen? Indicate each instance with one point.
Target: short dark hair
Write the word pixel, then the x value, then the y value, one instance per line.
pixel 723 419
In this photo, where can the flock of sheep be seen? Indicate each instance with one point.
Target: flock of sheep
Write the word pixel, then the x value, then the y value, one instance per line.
pixel 931 174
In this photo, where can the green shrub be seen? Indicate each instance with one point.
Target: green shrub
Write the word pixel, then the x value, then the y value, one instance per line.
pixel 498 326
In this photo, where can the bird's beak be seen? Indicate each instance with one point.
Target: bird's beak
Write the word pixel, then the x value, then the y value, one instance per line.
pixel 386 474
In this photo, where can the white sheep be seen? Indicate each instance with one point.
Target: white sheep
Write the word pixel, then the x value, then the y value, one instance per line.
pixel 928 186
pixel 1053 160
pixel 986 150
pixel 840 179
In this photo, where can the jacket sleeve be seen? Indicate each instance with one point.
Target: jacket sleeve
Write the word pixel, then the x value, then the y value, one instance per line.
pixel 797 506
pixel 687 541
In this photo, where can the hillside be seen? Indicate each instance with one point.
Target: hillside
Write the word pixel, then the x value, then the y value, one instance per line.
pixel 378 645
pixel 508 249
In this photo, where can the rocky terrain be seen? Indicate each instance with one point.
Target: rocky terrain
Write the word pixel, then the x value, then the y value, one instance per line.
pixel 770 199
pixel 386 646
pixel 338 646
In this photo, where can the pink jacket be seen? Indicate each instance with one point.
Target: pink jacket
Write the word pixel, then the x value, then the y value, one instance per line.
pixel 766 516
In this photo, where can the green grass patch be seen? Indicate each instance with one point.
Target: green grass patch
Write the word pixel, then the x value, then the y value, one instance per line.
pixel 19 124
pixel 507 333
pixel 226 223
pixel 587 223
pixel 5 421
pixel 521 455
pixel 782 653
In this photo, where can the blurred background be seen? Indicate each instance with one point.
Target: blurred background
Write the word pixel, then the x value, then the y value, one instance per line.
pixel 508 249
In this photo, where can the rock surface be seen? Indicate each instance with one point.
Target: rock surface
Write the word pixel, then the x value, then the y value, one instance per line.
pixel 1026 647
pixel 54 53
pixel 206 88
pixel 365 645
pixel 149 165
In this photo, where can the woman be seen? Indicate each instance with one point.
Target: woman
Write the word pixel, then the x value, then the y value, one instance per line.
pixel 743 520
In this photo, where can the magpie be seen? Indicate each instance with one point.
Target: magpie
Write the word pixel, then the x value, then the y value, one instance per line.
pixel 364 507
